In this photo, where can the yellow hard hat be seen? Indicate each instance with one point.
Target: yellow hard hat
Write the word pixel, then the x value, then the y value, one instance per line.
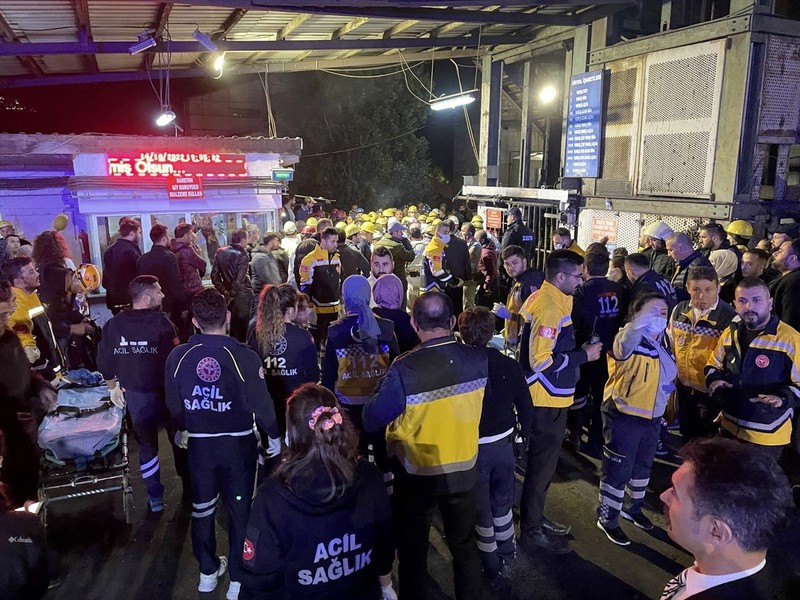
pixel 60 222
pixel 89 277
pixel 412 209
pixel 352 229
pixel 406 220
pixel 477 220
pixel 381 220
pixel 388 212
pixel 435 222
pixel 372 214
pixel 434 212
pixel 369 227
pixel 341 225
pixel 311 222
pixel 5 224
pixel 742 228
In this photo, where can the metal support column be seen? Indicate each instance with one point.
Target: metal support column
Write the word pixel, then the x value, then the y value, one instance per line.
pixel 526 127
pixel 489 148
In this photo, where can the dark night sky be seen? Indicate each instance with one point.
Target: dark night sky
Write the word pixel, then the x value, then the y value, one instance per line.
pixel 131 108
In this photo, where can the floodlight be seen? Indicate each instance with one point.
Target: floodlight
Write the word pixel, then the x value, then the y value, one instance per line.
pixel 219 62
pixel 205 41
pixel 547 94
pixel 166 117
pixel 453 101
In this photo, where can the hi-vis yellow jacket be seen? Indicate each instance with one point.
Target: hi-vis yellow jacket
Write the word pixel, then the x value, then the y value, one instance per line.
pixel 320 274
pixel 633 382
pixel 771 365
pixel 435 274
pixel 547 354
pixel 694 340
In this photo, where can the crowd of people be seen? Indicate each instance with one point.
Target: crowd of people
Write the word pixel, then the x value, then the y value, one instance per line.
pixel 359 371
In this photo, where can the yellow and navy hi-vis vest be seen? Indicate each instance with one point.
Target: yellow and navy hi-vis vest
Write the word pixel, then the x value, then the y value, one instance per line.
pixel 352 368
pixel 547 354
pixel 435 274
pixel 633 382
pixel 21 321
pixel 320 273
pixel 437 434
pixel 771 365
pixel 693 342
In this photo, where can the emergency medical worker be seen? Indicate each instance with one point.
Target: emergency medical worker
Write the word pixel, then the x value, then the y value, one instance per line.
pixel 643 279
pixel 215 386
pixel 755 370
pixel 320 273
pixel 133 352
pixel 562 240
pixel 436 275
pixel 695 328
pixel 495 490
pixel 359 350
pixel 599 307
pixel 526 281
pixel 641 377
pixel 321 528
pixel 550 361
pixel 287 351
pixel 431 398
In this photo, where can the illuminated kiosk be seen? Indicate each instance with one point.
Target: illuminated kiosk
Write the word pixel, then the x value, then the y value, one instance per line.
pixel 219 184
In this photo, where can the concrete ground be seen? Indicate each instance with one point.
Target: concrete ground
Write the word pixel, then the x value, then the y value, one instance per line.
pixel 151 559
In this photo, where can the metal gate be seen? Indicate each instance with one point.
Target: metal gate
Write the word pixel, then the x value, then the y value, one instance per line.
pixel 543 220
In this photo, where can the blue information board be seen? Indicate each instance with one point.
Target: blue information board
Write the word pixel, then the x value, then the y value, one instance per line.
pixel 584 125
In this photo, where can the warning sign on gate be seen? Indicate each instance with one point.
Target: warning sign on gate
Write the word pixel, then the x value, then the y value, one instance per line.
pixel 184 187
pixel 494 218
pixel 604 228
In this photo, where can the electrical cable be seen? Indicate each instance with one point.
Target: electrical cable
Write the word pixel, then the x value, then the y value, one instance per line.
pixel 366 145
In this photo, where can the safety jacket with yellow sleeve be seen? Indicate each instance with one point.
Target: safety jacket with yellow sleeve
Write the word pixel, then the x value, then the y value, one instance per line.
pixel 634 382
pixel 435 273
pixel 548 356
pixel 770 365
pixel 320 274
pixel 694 339
pixel 522 287
pixel 431 399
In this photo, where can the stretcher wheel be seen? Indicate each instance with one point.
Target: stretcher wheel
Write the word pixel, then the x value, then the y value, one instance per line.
pixel 127 506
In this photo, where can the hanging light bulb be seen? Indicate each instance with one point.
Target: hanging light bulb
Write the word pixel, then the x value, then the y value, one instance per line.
pixel 166 117
pixel 547 94
pixel 219 62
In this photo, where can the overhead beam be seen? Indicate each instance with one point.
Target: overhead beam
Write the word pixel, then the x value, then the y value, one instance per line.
pixel 302 4
pixel 399 28
pixel 162 20
pixel 442 29
pixel 61 48
pixel 30 63
pixel 291 26
pixel 348 27
pixel 84 24
pixel 294 66
pixel 229 24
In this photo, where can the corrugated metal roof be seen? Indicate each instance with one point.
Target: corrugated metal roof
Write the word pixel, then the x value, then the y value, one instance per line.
pixel 49 21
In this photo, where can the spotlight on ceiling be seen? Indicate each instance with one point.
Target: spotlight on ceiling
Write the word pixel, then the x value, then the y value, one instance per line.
pixel 166 117
pixel 146 40
pixel 547 94
pixel 205 41
pixel 453 101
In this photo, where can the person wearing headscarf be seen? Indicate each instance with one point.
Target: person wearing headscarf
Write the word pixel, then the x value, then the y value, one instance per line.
pixel 388 296
pixel 358 353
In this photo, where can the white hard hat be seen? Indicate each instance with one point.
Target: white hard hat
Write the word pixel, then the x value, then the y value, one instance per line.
pixel 658 230
pixel 289 228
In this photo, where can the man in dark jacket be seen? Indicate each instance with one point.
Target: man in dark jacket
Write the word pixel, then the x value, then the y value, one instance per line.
pixel 489 276
pixel 517 233
pixel 265 264
pixel 162 264
pixel 680 249
pixel 133 352
pixel 119 264
pixel 191 265
pixel 402 253
pixel 231 276
pixel 785 289
pixel 353 262
pixel 644 279
pixel 460 266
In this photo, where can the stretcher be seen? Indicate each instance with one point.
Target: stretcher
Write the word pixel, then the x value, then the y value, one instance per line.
pixel 84 442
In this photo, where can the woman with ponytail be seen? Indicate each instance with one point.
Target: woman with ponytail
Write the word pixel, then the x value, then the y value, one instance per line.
pixel 320 527
pixel 287 351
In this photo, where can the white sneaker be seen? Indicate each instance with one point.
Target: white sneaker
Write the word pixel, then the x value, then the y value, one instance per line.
pixel 233 590
pixel 208 583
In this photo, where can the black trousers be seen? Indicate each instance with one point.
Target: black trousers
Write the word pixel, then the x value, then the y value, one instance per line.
pixel 456 295
pixel 547 435
pixel 240 306
pixel 696 413
pixel 414 510
pixel 320 332
pixel 590 386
